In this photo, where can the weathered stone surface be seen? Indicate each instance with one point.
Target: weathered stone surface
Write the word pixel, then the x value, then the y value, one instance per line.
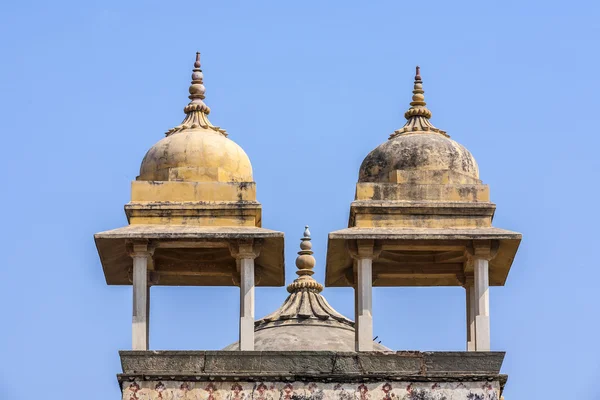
pixel 311 364
pixel 152 362
pixel 397 363
pixel 224 363
pixel 417 152
pixel 463 362
pixel 298 362
pixel 409 363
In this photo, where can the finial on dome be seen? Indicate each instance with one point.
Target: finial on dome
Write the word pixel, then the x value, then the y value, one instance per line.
pixel 305 262
pixel 196 111
pixel 418 99
pixel 306 232
pixel 197 90
pixel 418 114
pixel 305 301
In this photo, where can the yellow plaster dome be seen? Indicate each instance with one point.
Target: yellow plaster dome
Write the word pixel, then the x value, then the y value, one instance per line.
pixel 196 155
pixel 418 151
pixel 196 150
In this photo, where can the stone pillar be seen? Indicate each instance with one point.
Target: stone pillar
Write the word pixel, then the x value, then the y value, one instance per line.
pixel 142 258
pixel 480 254
pixel 245 253
pixel 482 304
pixel 470 302
pixel 363 254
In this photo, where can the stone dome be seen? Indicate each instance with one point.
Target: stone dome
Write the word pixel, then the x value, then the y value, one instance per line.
pixel 303 336
pixel 418 146
pixel 196 150
pixel 417 151
pixel 305 321
pixel 198 155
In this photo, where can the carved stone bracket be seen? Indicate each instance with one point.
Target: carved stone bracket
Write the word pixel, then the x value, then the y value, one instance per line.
pixel 245 248
pixel 364 248
pixel 360 249
pixel 143 248
pixel 139 248
pixel 483 249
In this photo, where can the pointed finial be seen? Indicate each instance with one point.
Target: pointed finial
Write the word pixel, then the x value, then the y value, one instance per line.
pixel 418 99
pixel 196 111
pixel 306 232
pixel 305 262
pixel 305 301
pixel 197 90
pixel 418 114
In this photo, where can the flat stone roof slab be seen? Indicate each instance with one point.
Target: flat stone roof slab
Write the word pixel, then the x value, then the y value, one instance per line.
pixel 311 365
pixel 117 263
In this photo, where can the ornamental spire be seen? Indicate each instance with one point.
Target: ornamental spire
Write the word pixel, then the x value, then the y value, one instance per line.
pixel 418 114
pixel 305 262
pixel 418 105
pixel 196 111
pixel 197 90
pixel 305 301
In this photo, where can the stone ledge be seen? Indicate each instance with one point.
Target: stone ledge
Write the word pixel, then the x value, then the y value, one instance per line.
pixel 254 365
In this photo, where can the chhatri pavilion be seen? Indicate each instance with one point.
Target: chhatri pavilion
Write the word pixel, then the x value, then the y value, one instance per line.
pixel 421 217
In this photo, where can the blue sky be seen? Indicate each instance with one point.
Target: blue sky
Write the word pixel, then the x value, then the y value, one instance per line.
pixel 307 89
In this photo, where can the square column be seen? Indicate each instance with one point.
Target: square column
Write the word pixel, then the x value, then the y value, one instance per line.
pixel 363 254
pixel 482 304
pixel 142 257
pixel 245 253
pixel 364 305
pixel 470 302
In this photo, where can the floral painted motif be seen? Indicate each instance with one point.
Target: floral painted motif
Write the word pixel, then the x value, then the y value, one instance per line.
pixel 488 393
pixel 236 392
pixel 288 391
pixel 263 392
pixel 160 388
pixel 387 390
pixel 210 388
pixel 314 392
pixel 342 393
pixel 227 390
pixel 133 389
pixel 185 392
pixel 363 392
pixel 425 393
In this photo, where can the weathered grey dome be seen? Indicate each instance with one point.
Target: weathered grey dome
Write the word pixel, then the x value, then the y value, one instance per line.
pixel 417 151
pixel 305 321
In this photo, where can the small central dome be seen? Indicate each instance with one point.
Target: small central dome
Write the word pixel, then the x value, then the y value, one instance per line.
pixel 196 150
pixel 305 321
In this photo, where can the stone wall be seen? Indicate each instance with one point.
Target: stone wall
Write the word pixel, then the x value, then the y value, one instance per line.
pixel 209 390
pixel 310 375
